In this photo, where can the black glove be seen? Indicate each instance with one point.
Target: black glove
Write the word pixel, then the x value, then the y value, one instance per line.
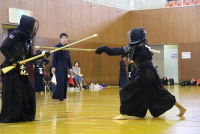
pixel 100 50
pixel 47 54
pixel 15 63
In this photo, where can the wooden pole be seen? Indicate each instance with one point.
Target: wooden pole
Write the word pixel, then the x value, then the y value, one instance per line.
pixel 7 69
pixel 71 49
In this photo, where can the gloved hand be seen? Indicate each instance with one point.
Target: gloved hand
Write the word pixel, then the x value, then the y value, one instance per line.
pixel 47 54
pixel 15 63
pixel 100 50
pixel 128 49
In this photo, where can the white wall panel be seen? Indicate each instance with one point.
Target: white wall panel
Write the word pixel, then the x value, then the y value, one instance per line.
pixel 171 62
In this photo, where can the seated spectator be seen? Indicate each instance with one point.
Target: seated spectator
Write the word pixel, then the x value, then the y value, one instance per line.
pixel 76 73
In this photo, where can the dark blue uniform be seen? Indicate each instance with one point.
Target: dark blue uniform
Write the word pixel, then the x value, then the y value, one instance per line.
pixel 144 92
pixel 18 93
pixel 122 74
pixel 39 73
pixel 61 60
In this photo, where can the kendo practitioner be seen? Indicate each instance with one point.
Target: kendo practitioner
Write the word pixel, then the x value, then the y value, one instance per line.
pixel 122 72
pixel 144 92
pixel 61 63
pixel 38 72
pixel 18 93
pixel 131 70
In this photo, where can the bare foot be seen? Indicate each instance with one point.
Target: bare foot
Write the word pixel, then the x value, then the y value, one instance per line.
pixel 120 117
pixel 182 111
pixel 56 99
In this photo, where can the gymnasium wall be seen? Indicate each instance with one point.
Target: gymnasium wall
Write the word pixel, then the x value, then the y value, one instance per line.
pixel 169 25
pixel 189 68
pixel 79 20
pixel 173 26
pixel 158 60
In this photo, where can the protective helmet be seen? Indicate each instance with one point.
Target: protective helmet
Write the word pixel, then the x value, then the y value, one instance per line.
pixel 136 35
pixel 28 26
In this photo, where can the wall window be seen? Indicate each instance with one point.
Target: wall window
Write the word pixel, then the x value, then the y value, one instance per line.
pixel 122 4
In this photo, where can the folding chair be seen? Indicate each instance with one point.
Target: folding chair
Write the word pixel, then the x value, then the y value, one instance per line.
pixel 84 84
pixel 191 3
pixel 75 84
pixel 179 3
pixel 187 2
pixel 174 5
pixel 47 80
pixel 196 1
pixel 171 3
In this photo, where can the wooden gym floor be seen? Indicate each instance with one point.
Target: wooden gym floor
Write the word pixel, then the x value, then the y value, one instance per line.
pixel 92 112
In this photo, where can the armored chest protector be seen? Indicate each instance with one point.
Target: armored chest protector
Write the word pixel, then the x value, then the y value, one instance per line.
pixel 20 50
